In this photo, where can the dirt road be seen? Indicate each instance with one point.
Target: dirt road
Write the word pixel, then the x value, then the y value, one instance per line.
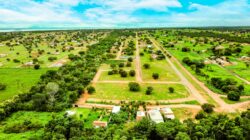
pixel 137 62
pixel 185 82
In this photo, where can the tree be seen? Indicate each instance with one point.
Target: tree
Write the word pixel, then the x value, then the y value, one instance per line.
pixel 123 73
pixel 52 88
pixel 155 75
pixel 146 66
pixel 130 59
pixel 36 66
pixel 133 86
pixel 90 89
pixel 145 127
pixel 168 129
pixel 208 107
pixel 2 86
pixel 128 64
pixel 121 65
pixel 110 72
pixel 132 73
pixel 233 95
pixel 149 90
pixel 182 136
pixel 171 89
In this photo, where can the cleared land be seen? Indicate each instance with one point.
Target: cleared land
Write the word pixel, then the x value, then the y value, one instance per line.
pixel 119 91
pixel 18 81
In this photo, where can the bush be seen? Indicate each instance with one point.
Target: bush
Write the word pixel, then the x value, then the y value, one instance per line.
pixel 133 86
pixel 130 59
pixel 110 72
pixel 234 96
pixel 36 66
pixel 155 75
pixel 52 58
pixel 123 74
pixel 141 54
pixel 16 61
pixel 171 89
pixel 207 107
pixel 128 64
pixel 146 66
pixel 132 73
pixel 121 65
pixel 149 90
pixel 2 86
pixel 90 89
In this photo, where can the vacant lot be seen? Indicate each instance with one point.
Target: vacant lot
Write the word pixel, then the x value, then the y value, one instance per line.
pixel 121 92
pixel 18 81
pixel 166 73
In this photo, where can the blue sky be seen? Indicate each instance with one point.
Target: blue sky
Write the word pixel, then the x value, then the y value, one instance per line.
pixel 123 13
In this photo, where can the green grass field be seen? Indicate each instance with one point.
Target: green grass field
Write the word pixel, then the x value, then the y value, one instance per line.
pixel 19 117
pixel 166 73
pixel 18 80
pixel 121 92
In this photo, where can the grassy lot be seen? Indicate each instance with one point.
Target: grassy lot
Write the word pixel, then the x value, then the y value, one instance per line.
pixel 21 53
pixel 115 77
pixel 40 118
pixel 184 113
pixel 81 113
pixel 166 73
pixel 18 81
pixel 121 92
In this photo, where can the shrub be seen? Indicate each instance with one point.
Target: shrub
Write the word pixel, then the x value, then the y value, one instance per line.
pixel 149 90
pixel 36 66
pixel 171 89
pixel 121 65
pixel 133 86
pixel 124 74
pixel 234 96
pixel 110 72
pixel 207 107
pixel 128 64
pixel 185 49
pixel 112 66
pixel 155 75
pixel 132 72
pixel 130 59
pixel 141 54
pixel 16 61
pixel 52 58
pixel 90 89
pixel 2 86
pixel 146 66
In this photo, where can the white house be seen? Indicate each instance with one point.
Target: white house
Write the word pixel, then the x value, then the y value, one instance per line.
pixel 155 115
pixel 116 109
pixel 168 113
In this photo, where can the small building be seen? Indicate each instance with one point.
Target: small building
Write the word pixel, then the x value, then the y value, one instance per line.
pixel 167 113
pixel 116 109
pixel 150 46
pixel 155 116
pixel 98 124
pixel 70 113
pixel 140 115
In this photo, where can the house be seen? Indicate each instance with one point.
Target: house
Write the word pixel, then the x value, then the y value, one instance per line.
pixel 155 116
pixel 70 113
pixel 140 115
pixel 116 109
pixel 167 113
pixel 98 124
